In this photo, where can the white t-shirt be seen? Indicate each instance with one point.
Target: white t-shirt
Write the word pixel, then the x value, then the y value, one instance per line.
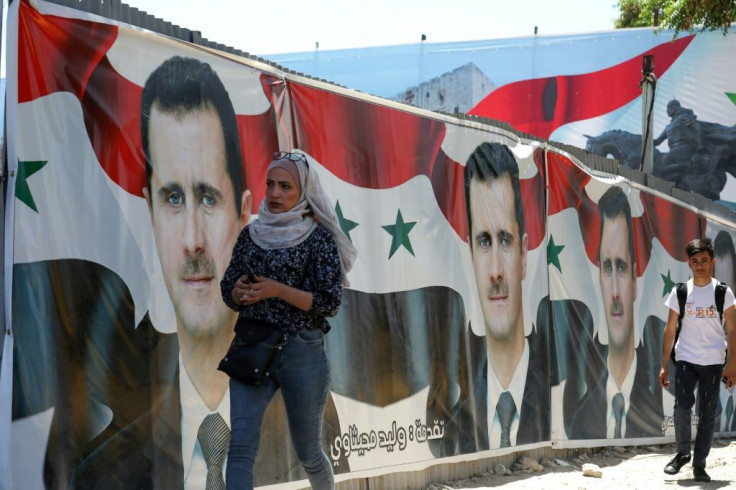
pixel 702 340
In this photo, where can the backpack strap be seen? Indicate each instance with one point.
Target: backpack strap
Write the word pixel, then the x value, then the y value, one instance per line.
pixel 681 290
pixel 720 297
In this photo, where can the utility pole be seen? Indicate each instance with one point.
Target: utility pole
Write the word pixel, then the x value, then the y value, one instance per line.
pixel 648 84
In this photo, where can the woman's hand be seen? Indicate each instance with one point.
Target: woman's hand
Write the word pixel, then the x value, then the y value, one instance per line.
pixel 263 288
pixel 241 290
pixel 246 293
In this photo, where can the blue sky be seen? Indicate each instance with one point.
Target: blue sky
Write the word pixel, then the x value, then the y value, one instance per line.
pixel 295 25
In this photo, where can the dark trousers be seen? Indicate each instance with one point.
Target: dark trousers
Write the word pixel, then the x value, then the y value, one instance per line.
pixel 304 379
pixel 707 379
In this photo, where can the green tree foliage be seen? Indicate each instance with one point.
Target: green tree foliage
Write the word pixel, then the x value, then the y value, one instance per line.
pixel 678 15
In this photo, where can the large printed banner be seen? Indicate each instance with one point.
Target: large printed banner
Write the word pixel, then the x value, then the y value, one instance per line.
pixel 615 253
pixel 581 89
pixel 502 298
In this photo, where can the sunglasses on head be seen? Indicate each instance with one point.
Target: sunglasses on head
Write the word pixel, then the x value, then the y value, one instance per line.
pixel 294 157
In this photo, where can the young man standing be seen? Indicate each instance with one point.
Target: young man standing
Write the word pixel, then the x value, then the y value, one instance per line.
pixel 700 354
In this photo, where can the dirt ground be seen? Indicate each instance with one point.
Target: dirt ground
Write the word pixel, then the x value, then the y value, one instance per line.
pixel 621 468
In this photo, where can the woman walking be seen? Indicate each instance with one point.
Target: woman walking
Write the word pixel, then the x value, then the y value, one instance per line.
pixel 299 258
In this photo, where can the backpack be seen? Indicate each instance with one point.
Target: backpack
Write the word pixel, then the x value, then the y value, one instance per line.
pixel 681 288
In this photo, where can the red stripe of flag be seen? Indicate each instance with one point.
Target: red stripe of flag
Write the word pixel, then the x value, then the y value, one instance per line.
pixel 57 54
pixel 378 147
pixel 673 225
pixel 567 184
pixel 364 144
pixel 541 105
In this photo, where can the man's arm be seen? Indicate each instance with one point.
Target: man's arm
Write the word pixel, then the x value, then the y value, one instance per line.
pixel 668 342
pixel 729 373
pixel 660 139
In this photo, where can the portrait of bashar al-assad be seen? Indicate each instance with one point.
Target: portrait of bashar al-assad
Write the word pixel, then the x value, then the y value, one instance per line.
pixel 617 272
pixel 497 241
pixel 198 202
pixel 622 397
pixel 516 388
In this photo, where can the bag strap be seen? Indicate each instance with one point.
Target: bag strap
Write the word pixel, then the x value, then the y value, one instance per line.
pixel 720 297
pixel 681 288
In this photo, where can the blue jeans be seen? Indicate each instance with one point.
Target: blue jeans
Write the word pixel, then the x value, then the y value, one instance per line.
pixel 304 378
pixel 708 380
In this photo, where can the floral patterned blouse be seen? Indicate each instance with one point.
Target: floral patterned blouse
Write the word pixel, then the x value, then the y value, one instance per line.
pixel 312 265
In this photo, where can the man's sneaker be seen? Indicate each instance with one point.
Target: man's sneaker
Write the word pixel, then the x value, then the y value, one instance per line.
pixel 699 474
pixel 680 460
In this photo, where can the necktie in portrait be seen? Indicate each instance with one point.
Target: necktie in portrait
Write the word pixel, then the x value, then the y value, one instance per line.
pixel 214 439
pixel 617 405
pixel 506 410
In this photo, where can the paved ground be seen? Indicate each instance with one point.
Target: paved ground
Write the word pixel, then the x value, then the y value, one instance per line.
pixel 621 468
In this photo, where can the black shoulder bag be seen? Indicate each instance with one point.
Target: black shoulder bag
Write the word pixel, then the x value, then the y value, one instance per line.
pixel 255 352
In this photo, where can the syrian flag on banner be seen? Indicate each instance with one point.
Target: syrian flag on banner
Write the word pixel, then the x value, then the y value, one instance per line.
pixel 76 204
pixel 98 69
pixel 91 74
pixel 698 78
pixel 399 196
pixel 79 175
pixel 661 228
pixel 381 148
pixel 542 105
pixel 74 143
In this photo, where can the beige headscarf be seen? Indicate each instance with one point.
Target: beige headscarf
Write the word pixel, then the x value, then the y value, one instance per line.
pixel 283 230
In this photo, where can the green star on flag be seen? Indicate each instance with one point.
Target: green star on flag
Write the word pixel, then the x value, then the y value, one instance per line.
pixel 400 234
pixel 345 224
pixel 668 284
pixel 22 191
pixel 731 96
pixel 553 253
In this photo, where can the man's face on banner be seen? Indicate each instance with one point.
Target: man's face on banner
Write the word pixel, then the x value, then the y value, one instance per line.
pixel 499 255
pixel 195 223
pixel 618 283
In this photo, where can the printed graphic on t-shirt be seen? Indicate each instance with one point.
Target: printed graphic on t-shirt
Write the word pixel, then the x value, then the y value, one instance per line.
pixel 701 312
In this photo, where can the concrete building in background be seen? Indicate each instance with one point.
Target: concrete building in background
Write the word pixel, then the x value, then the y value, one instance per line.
pixel 453 92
